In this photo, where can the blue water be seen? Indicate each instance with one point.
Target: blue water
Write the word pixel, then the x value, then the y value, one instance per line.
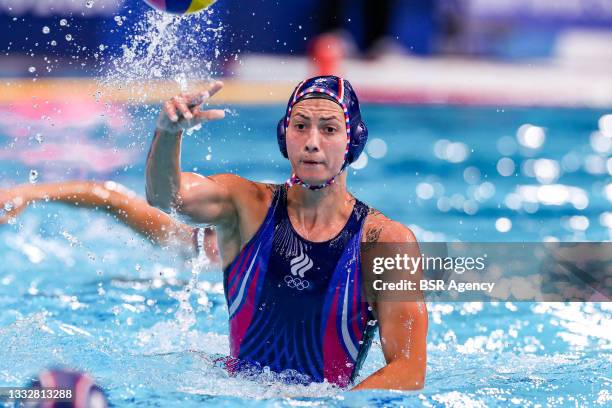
pixel 80 289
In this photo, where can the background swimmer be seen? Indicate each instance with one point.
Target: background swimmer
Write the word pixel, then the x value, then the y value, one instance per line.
pixel 113 198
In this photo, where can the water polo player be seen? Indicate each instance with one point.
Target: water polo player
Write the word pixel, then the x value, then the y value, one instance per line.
pixel 291 253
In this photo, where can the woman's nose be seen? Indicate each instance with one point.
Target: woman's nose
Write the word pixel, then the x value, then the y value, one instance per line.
pixel 314 138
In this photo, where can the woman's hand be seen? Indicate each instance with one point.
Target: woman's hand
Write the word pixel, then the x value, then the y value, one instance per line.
pixel 183 111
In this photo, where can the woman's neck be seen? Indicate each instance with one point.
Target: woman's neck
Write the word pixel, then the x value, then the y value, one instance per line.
pixel 314 210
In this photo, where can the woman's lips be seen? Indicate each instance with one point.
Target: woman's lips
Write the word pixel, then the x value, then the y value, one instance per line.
pixel 311 162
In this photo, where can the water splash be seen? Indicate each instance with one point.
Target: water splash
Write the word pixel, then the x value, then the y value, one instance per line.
pixel 185 314
pixel 33 176
pixel 162 46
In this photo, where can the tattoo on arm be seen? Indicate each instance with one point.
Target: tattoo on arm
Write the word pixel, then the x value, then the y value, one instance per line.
pixel 373 234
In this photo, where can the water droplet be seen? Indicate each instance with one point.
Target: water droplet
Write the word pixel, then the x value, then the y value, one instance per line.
pixel 101 47
pixel 208 156
pixel 53 43
pixel 33 177
pixel 46 30
pixel 118 20
pixel 63 22
pixel 38 137
pixel 371 322
pixel 137 267
pixel 31 69
pixel 68 37
pixel 89 4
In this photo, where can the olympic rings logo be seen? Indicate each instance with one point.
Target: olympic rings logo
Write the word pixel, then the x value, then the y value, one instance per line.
pixel 296 283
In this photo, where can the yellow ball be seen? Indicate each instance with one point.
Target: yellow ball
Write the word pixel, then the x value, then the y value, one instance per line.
pixel 180 6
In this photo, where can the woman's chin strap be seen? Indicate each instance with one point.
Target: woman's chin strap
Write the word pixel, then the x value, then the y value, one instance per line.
pixel 295 180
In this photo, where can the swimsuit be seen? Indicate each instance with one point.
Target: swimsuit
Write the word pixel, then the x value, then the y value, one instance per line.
pixel 297 305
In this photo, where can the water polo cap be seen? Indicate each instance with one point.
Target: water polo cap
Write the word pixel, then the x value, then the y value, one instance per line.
pixel 83 391
pixel 340 91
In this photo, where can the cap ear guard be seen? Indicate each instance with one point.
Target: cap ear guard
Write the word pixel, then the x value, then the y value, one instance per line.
pixel 359 137
pixel 281 138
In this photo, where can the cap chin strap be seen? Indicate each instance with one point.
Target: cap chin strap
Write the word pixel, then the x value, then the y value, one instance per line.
pixel 295 180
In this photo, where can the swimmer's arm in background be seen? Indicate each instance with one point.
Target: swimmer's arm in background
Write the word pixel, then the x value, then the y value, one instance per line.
pixel 402 327
pixel 109 197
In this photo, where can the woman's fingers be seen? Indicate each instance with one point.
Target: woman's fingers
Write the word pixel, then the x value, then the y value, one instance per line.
pixel 182 107
pixel 214 88
pixel 184 110
pixel 170 110
pixel 199 97
pixel 211 114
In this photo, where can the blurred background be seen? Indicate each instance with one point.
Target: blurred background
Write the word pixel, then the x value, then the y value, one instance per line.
pixel 464 51
pixel 492 118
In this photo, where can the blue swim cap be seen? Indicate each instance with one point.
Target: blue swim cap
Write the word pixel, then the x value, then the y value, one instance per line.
pixel 340 91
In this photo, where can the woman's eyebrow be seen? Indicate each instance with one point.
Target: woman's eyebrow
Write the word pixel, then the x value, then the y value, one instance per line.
pixel 330 118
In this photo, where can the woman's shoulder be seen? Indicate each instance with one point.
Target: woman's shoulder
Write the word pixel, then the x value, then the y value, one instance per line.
pixel 380 228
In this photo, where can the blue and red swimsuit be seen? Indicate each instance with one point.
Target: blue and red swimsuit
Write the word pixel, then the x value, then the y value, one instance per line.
pixel 298 305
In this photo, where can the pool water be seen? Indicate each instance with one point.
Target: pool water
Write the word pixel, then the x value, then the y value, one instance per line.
pixel 78 288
